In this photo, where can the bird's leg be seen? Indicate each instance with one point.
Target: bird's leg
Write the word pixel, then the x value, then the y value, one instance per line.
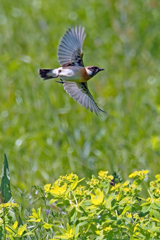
pixel 60 81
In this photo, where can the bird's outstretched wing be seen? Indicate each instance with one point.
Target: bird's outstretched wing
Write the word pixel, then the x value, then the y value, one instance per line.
pixel 80 93
pixel 70 47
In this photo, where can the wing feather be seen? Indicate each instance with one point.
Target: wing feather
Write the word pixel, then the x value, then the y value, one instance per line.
pixel 80 93
pixel 70 47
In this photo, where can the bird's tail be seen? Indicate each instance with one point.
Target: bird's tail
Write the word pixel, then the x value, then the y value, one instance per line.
pixel 47 73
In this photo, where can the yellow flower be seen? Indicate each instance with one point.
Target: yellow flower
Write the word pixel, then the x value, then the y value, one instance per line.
pixel 133 175
pixel 107 229
pixel 126 190
pixel 36 216
pixel 98 198
pixel 157 191
pixel 152 184
pixel 104 175
pixel 20 229
pixel 126 200
pixel 116 187
pixel 140 174
pixel 110 177
pixel 70 177
pixel 125 183
pixel 157 176
pixel 98 232
pixel 47 188
pixel 57 190
pixel 129 215
pixel 80 190
pixel 9 205
pixel 149 200
pixel 135 228
pixel 94 182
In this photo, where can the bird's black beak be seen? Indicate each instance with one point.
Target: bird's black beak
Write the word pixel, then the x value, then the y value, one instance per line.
pixel 101 69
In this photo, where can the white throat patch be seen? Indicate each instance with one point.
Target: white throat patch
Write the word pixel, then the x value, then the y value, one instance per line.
pixel 90 73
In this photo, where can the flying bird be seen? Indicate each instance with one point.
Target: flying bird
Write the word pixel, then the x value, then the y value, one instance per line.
pixel 72 73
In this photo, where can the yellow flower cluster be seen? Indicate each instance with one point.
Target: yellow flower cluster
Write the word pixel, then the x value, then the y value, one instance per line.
pixel 139 174
pixel 158 177
pixel 155 187
pixel 116 187
pixel 127 200
pixel 16 231
pixel 80 191
pixel 107 229
pixel 129 215
pixel 63 185
pixel 98 198
pixel 126 183
pixel 9 205
pixel 47 188
pixel 103 175
pixel 70 177
pixel 55 189
pixel 93 182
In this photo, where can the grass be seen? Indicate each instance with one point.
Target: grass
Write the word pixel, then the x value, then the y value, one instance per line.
pixel 42 130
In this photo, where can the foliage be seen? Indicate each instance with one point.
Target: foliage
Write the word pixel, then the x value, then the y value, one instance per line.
pixel 5 182
pixel 99 209
pixel 46 133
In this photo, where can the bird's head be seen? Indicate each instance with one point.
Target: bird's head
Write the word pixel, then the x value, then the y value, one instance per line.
pixel 93 70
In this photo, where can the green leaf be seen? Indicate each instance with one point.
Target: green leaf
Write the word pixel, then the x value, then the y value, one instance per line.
pixel 72 215
pixel 40 190
pixel 143 214
pixel 108 201
pixel 155 206
pixel 1 232
pixel 77 231
pixel 156 214
pixel 155 229
pixel 82 209
pixel 74 184
pixel 82 223
pixel 83 218
pixel 61 237
pixel 5 183
pixel 146 208
pixel 125 210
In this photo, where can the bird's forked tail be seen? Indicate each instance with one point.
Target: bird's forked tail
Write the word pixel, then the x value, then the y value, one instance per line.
pixel 47 73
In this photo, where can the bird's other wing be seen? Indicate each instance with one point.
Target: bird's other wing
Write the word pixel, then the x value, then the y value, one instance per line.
pixel 70 47
pixel 80 93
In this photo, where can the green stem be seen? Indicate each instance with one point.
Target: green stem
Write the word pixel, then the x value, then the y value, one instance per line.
pixel 4 223
pixel 148 192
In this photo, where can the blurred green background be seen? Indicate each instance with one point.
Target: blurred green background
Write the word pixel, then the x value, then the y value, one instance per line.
pixel 43 131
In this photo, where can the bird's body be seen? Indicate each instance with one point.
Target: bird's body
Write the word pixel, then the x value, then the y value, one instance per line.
pixel 72 73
